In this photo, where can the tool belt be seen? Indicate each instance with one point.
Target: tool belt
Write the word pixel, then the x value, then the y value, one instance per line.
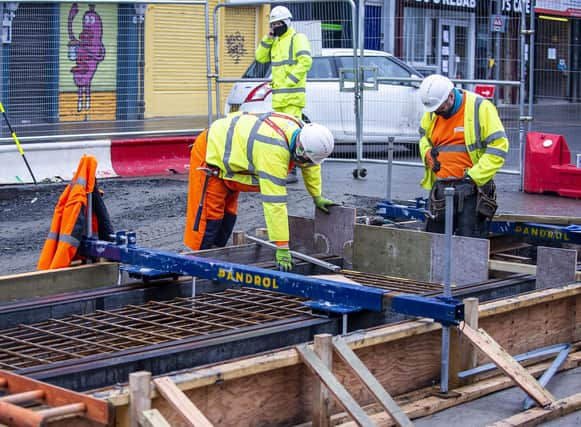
pixel 486 200
pixel 485 197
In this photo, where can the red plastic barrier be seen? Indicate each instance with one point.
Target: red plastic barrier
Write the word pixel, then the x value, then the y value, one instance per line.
pixel 151 156
pixel 548 166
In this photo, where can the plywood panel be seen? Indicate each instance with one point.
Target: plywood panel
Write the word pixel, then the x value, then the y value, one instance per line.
pixel 383 250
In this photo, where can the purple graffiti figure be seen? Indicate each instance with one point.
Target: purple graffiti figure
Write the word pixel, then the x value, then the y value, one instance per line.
pixel 88 51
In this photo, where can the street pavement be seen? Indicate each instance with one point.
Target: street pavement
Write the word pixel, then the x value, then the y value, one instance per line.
pixel 405 185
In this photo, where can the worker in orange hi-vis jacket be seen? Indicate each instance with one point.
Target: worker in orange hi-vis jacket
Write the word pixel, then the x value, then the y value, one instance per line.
pixel 252 153
pixel 68 225
pixel 463 145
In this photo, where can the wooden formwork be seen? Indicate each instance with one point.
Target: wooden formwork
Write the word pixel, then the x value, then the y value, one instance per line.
pixel 275 388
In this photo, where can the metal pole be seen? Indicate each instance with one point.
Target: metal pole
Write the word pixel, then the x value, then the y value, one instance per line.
pixel 521 130
pixel 298 255
pixel 445 367
pixel 89 221
pixel 389 167
pixel 549 373
pixel 359 85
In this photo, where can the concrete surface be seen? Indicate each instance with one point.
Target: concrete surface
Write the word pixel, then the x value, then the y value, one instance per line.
pixel 497 406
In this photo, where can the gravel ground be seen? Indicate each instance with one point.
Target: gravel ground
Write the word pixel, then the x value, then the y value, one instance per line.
pixel 152 207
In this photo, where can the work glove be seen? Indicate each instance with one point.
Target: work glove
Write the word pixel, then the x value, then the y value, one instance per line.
pixel 432 160
pixel 323 204
pixel 284 260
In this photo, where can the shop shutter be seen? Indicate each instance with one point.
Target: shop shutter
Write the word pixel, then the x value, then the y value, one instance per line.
pixel 175 60
pixel 31 84
pixel 238 43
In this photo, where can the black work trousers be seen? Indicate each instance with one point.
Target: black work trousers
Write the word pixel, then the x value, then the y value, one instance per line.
pixel 467 220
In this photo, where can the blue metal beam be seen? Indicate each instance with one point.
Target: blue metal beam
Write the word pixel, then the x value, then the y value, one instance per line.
pixel 271 280
pixel 327 295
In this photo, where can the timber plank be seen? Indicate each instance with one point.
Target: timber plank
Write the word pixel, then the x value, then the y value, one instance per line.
pixel 49 282
pixel 486 344
pixel 433 404
pixel 340 393
pixel 384 398
pixel 541 219
pixel 153 418
pixel 180 403
pixel 535 416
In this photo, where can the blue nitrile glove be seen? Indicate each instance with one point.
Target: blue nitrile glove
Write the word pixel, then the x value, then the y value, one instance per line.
pixel 284 260
pixel 323 204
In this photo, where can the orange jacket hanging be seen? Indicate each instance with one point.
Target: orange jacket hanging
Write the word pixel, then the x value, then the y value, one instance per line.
pixel 68 222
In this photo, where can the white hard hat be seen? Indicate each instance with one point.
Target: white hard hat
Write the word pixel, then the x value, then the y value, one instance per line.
pixel 280 13
pixel 434 90
pixel 317 142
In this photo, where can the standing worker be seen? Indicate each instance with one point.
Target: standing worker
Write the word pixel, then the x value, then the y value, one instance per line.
pixel 289 54
pixel 463 145
pixel 252 153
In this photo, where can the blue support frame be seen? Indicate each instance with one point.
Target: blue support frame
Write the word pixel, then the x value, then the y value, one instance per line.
pixel 326 295
pixel 530 230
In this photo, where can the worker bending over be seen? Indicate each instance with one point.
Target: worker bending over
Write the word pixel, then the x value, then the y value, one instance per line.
pixel 463 145
pixel 252 153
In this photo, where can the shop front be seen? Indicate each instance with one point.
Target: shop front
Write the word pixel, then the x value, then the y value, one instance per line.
pixel 438 36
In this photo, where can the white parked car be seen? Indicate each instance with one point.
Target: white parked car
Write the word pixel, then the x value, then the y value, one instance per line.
pixel 389 108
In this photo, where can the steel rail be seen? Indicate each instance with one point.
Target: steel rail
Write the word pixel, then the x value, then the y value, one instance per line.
pixel 119 326
pixel 148 322
pixel 119 337
pixel 238 310
pixel 193 310
pixel 163 350
pixel 185 318
pixel 68 337
pixel 292 310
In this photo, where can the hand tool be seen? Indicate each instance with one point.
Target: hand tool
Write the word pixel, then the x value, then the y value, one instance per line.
pixel 209 172
pixel 17 142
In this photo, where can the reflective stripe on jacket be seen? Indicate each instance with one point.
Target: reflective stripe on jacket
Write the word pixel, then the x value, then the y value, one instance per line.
pixel 254 150
pixel 484 137
pixel 290 58
pixel 68 222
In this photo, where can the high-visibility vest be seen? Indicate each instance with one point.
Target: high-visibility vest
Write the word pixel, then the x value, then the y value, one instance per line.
pixel 254 150
pixel 484 137
pixel 290 59
pixel 68 222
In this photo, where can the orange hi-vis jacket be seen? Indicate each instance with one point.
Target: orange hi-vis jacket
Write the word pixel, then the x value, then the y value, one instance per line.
pixel 68 222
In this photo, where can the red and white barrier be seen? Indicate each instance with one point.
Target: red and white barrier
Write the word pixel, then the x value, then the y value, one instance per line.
pixel 58 161
pixel 151 156
pixel 52 162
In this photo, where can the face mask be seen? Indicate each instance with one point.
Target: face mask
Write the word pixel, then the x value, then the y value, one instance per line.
pixel 279 31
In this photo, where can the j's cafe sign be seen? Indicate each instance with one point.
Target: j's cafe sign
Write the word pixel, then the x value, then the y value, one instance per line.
pixel 516 6
pixel 464 4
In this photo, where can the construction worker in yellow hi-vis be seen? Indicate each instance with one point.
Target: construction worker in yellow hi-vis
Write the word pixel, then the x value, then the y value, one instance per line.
pixel 252 153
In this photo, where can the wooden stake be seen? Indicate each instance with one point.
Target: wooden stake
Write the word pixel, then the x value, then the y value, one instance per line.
pixel 262 233
pixel 374 386
pixel 334 386
pixel 153 418
pixel 321 411
pixel 181 403
pixel 139 396
pixel 463 355
pixel 486 344
pixel 239 238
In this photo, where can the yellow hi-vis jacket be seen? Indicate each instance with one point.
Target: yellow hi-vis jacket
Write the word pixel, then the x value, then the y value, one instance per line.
pixel 484 136
pixel 254 150
pixel 290 59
